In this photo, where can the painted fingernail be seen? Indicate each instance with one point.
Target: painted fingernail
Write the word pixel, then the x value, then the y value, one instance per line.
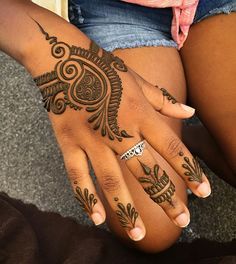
pixel 204 190
pixel 97 218
pixel 136 234
pixel 188 108
pixel 182 220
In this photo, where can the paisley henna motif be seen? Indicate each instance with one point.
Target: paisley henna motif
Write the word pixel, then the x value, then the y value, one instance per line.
pixel 84 79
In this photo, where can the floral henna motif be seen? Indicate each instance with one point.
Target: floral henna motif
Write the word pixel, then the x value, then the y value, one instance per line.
pixel 193 169
pixel 127 215
pixel 160 189
pixel 84 79
pixel 86 200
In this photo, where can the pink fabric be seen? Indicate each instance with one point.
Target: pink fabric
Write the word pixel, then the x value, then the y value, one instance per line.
pixel 183 15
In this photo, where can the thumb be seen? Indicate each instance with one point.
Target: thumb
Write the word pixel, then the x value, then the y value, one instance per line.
pixel 165 103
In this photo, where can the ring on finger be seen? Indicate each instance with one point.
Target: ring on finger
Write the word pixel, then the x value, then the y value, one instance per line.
pixel 136 150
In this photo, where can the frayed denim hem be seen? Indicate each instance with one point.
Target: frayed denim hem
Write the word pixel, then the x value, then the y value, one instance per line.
pixel 226 9
pixel 142 43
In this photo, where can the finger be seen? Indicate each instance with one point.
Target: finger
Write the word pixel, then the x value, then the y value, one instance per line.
pixel 158 185
pixel 111 181
pixel 165 103
pixel 169 146
pixel 83 187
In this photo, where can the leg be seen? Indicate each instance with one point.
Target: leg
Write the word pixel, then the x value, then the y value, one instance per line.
pixel 209 60
pixel 160 66
pixel 206 148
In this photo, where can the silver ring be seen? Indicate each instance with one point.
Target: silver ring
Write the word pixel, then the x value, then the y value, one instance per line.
pixel 136 150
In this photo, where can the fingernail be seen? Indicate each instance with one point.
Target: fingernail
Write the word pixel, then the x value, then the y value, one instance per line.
pixel 182 220
pixel 97 218
pixel 204 190
pixel 136 234
pixel 188 108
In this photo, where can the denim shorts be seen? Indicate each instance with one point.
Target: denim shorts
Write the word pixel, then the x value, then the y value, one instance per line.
pixel 115 24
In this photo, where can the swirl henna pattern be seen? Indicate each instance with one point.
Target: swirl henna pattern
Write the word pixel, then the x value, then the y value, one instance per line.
pixel 168 96
pixel 83 78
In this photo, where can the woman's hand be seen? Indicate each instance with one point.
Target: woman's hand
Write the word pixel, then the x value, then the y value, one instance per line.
pixel 100 109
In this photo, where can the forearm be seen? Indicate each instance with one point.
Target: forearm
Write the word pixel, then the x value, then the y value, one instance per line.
pixel 21 38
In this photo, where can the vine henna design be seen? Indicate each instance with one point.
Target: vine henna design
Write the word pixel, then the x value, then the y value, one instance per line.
pixel 83 78
pixel 193 169
pixel 160 189
pixel 86 200
pixel 168 96
pixel 127 215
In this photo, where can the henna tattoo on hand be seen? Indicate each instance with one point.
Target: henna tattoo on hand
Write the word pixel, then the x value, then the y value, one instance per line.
pixel 83 78
pixel 86 200
pixel 167 95
pixel 160 189
pixel 193 169
pixel 127 215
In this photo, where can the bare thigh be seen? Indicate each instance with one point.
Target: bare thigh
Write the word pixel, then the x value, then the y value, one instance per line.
pixel 209 59
pixel 160 66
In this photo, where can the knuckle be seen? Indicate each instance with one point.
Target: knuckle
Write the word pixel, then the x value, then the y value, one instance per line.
pixel 136 106
pixel 65 132
pixel 174 146
pixel 75 174
pixel 110 183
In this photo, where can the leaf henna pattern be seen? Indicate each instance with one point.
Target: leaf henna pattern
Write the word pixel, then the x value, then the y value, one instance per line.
pixel 160 189
pixel 86 200
pixel 84 79
pixel 127 215
pixel 192 169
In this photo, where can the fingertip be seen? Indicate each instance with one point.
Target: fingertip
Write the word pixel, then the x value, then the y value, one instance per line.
pixel 177 110
pixel 188 109
pixel 137 233
pixel 97 218
pixel 204 189
pixel 182 220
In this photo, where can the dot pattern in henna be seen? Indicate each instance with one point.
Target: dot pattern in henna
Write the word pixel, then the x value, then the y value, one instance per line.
pixel 127 215
pixel 160 189
pixel 193 169
pixel 82 78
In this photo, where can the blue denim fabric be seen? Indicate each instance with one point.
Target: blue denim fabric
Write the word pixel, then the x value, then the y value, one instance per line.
pixel 114 24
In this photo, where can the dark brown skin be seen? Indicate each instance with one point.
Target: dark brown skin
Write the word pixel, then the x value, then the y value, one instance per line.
pixel 209 59
pixel 161 132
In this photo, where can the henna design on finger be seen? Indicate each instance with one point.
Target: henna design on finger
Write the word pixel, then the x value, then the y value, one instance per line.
pixel 193 170
pixel 127 215
pixel 160 189
pixel 86 200
pixel 84 79
pixel 168 96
